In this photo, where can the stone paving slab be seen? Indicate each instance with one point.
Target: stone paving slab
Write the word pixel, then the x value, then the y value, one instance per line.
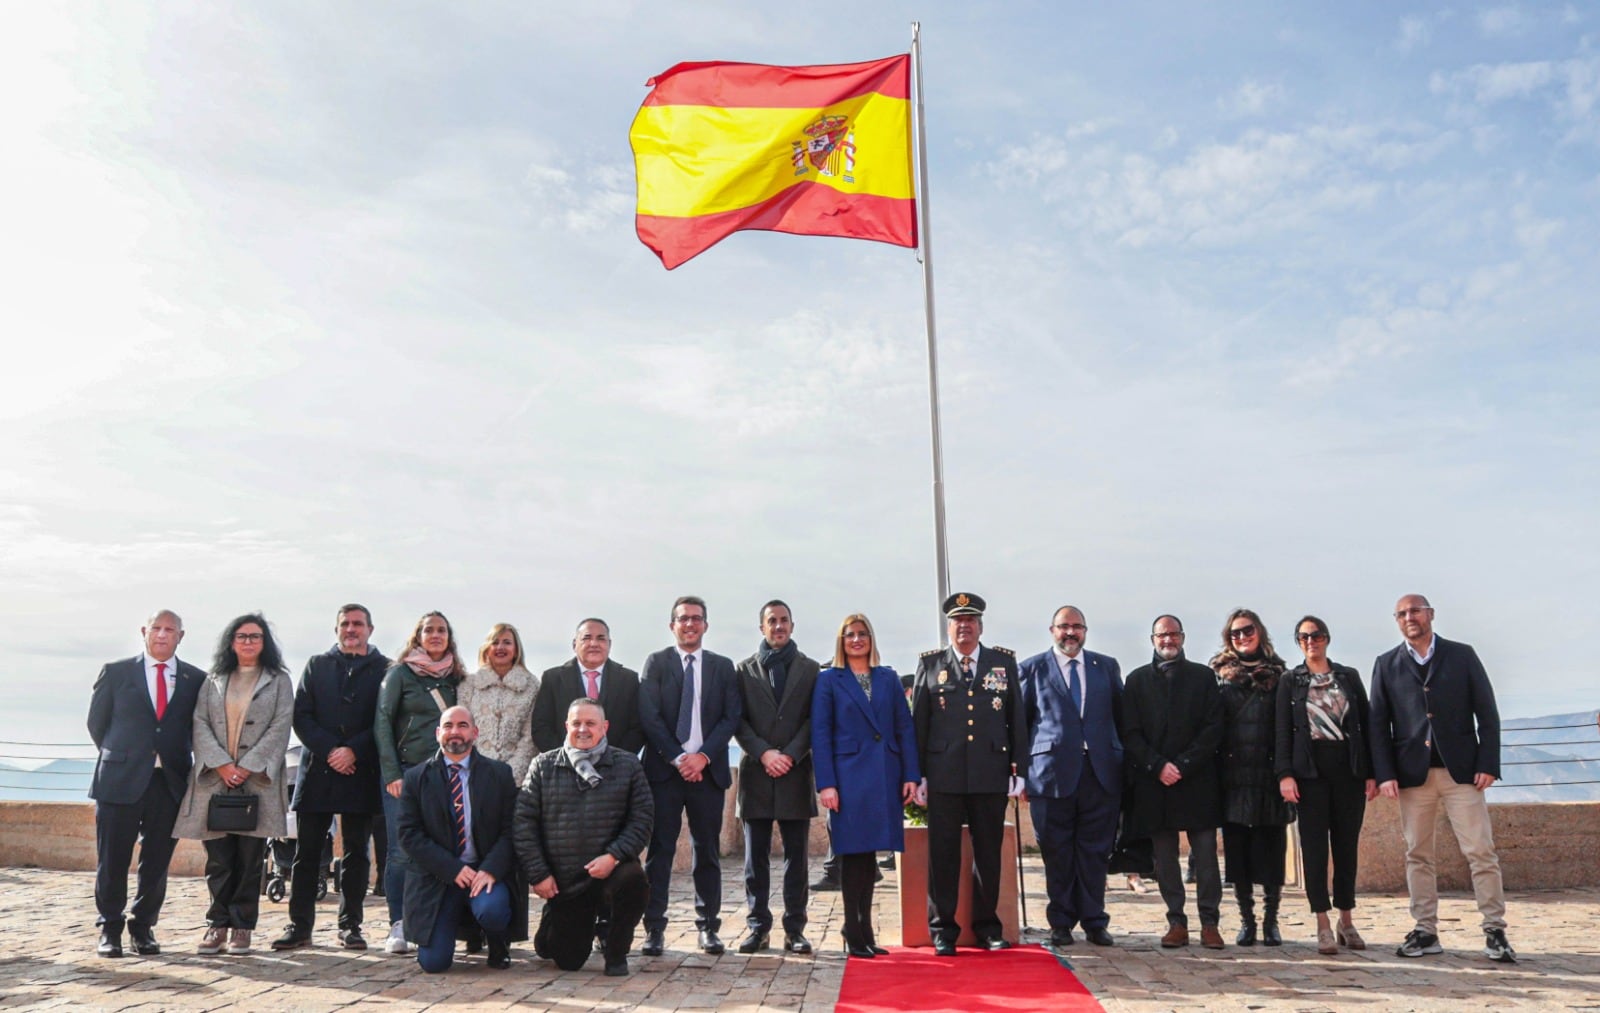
pixel 46 922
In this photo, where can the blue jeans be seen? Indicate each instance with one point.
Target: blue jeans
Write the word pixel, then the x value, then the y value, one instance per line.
pixel 396 864
pixel 491 909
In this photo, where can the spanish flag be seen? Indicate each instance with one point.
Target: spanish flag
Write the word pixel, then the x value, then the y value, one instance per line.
pixel 816 151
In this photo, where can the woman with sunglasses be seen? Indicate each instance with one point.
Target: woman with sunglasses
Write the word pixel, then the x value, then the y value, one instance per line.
pixel 1255 836
pixel 1324 768
pixel 865 753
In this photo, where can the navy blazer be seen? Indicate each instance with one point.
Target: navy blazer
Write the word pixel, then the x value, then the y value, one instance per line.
pixel 1408 716
pixel 1057 735
pixel 123 727
pixel 721 707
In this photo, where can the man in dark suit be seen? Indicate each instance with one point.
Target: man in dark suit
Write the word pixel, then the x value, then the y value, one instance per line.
pixel 456 811
pixel 689 706
pixel 334 710
pixel 971 740
pixel 141 715
pixel 1072 699
pixel 590 673
pixel 1436 744
pixel 775 781
pixel 1171 728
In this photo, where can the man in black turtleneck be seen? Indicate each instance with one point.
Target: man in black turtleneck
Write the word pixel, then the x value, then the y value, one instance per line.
pixel 334 710
pixel 775 781
pixel 1172 725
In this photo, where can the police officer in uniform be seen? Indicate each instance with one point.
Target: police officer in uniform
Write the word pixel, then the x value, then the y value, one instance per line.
pixel 971 736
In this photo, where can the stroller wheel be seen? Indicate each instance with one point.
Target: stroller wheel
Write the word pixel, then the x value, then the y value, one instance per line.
pixel 275 891
pixel 322 888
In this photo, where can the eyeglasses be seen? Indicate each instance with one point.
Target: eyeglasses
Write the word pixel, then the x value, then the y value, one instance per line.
pixel 1311 638
pixel 1242 632
pixel 246 638
pixel 1069 627
pixel 1168 636
pixel 688 620
pixel 1419 611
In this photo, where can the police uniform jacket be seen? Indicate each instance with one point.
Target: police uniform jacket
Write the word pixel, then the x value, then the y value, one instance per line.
pixel 969 738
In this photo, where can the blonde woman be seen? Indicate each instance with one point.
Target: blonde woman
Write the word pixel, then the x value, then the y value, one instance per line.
pixel 500 696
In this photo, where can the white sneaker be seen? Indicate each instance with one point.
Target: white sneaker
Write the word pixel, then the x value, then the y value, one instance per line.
pixel 397 940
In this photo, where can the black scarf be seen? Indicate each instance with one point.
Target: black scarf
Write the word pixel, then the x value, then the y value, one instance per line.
pixel 776 664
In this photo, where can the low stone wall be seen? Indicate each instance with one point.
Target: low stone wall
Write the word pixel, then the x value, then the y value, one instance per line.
pixel 1541 845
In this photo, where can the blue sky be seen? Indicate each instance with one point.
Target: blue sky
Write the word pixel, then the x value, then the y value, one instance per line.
pixel 1282 306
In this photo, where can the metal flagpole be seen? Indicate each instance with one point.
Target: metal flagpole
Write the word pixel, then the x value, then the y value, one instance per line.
pixel 925 252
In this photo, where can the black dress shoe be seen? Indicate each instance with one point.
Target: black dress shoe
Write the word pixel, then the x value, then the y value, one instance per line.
pixel 944 948
pixel 796 943
pixel 995 943
pixel 1061 937
pixel 474 941
pixel 859 950
pixel 711 943
pixel 499 954
pixel 617 968
pixel 654 945
pixel 754 942
pixel 1099 937
pixel 110 944
pixel 144 941
pixel 826 884
pixel 293 938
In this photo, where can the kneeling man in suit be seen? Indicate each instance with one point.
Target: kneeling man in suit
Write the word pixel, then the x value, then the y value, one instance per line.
pixel 455 823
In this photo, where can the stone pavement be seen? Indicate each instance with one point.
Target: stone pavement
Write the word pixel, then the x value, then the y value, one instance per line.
pixel 49 963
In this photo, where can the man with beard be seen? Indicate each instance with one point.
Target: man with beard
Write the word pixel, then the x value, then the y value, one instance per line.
pixel 583 818
pixel 1436 743
pixel 1172 725
pixel 589 674
pixel 455 824
pixel 334 710
pixel 971 738
pixel 1072 702
pixel 775 782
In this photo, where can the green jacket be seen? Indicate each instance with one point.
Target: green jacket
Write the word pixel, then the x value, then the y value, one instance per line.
pixel 407 718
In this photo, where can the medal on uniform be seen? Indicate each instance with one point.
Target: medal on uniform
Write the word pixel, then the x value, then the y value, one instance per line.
pixel 997 702
pixel 944 677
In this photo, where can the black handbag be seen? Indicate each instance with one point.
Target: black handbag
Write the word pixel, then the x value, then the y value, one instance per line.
pixel 233 813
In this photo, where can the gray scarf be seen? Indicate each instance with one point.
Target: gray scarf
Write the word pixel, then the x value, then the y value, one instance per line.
pixel 582 761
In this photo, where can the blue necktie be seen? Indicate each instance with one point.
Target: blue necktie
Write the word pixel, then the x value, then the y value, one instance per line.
pixel 686 702
pixel 1074 685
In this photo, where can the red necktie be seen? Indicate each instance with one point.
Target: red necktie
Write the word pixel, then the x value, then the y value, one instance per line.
pixel 592 680
pixel 161 689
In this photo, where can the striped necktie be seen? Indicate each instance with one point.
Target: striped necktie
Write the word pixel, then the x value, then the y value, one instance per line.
pixel 458 806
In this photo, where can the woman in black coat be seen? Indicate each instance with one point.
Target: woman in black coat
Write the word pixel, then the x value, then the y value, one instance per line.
pixel 1255 818
pixel 1324 768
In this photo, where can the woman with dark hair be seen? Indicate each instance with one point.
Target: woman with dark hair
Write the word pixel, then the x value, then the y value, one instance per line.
pixel 416 691
pixel 864 749
pixel 241 736
pixel 1255 817
pixel 1323 766
pixel 500 696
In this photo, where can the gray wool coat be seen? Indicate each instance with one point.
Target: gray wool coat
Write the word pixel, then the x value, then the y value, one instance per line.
pixel 263 743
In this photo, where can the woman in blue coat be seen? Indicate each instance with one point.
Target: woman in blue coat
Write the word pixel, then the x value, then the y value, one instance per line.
pixel 865 752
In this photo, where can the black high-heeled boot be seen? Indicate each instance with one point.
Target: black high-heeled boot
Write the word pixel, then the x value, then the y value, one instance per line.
pixel 1247 914
pixel 1270 936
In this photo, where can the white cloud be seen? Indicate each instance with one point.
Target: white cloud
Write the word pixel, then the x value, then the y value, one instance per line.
pixel 1252 98
pixel 1501 22
pixel 1414 33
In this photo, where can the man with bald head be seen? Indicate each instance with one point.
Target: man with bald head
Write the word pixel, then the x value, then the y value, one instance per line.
pixel 140 719
pixel 1436 744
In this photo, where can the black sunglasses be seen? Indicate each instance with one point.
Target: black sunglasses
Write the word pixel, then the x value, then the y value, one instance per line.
pixel 1242 632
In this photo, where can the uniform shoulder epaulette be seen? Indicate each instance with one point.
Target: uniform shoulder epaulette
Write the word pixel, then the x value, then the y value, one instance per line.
pixel 1003 650
pixel 929 654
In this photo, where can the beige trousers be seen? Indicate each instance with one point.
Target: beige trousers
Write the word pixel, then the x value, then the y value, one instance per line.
pixel 1468 813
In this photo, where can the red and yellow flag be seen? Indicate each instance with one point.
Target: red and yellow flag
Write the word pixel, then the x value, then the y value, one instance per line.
pixel 816 151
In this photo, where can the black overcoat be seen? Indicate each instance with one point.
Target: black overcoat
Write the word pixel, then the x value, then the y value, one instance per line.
pixel 336 705
pixel 1178 721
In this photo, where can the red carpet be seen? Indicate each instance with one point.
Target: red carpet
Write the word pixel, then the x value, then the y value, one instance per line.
pixel 1005 981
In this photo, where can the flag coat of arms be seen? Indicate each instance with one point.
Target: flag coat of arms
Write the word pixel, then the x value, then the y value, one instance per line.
pixel 818 151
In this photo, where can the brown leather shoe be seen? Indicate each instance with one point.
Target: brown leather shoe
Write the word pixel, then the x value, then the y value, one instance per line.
pixel 1177 935
pixel 1210 938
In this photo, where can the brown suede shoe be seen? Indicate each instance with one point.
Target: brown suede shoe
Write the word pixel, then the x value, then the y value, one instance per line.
pixel 1177 935
pixel 1210 938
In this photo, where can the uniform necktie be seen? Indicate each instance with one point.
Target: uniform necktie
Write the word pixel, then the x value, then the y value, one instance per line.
pixel 591 681
pixel 1075 685
pixel 161 689
pixel 966 669
pixel 458 806
pixel 686 702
